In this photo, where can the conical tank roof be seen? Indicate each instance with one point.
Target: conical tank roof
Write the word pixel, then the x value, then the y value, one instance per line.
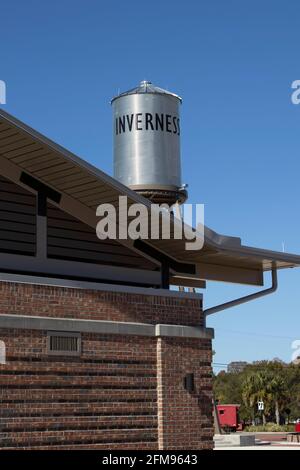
pixel 146 87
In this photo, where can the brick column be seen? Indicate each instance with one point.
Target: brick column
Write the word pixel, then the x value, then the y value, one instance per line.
pixel 185 419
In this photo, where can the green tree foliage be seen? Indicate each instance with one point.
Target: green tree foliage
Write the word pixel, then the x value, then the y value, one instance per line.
pixel 275 383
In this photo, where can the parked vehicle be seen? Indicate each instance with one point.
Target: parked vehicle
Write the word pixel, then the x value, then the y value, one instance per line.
pixel 229 418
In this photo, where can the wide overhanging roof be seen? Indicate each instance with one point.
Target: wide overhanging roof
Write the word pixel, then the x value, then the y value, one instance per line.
pixel 83 187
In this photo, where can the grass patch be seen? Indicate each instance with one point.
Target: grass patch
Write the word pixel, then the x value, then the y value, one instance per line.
pixel 271 427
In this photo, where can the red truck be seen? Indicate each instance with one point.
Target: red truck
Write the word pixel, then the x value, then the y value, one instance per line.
pixel 229 418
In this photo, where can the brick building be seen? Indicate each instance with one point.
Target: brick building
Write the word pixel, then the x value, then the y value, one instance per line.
pixel 100 352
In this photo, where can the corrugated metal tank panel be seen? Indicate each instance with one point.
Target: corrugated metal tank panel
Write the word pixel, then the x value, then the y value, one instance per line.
pixel 146 125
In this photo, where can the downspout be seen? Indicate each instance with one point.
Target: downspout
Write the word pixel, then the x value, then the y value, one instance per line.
pixel 246 298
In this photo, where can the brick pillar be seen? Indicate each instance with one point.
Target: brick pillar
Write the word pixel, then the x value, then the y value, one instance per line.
pixel 185 420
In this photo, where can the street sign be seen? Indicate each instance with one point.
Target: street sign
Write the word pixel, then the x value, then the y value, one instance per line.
pixel 260 405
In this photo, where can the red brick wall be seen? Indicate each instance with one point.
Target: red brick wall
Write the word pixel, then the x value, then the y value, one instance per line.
pixel 123 392
pixel 185 419
pixel 31 299
pixel 104 398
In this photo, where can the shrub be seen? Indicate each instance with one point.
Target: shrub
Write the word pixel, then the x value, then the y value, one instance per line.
pixel 271 427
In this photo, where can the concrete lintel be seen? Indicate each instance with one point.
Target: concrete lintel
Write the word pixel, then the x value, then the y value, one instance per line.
pixel 183 331
pixel 27 322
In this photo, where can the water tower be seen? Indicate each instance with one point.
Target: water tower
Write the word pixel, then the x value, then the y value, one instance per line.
pixel 146 129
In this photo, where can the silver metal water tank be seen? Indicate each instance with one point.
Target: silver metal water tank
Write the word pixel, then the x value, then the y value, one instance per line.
pixel 146 129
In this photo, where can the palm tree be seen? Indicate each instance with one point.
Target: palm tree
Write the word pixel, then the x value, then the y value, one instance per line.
pixel 267 387
pixel 277 389
pixel 254 389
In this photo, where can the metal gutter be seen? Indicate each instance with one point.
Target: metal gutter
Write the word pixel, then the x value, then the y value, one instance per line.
pixel 247 298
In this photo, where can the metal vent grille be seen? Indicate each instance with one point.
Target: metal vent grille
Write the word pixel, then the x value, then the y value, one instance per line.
pixel 64 343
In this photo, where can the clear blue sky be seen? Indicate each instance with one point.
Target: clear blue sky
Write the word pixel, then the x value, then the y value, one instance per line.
pixel 233 63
